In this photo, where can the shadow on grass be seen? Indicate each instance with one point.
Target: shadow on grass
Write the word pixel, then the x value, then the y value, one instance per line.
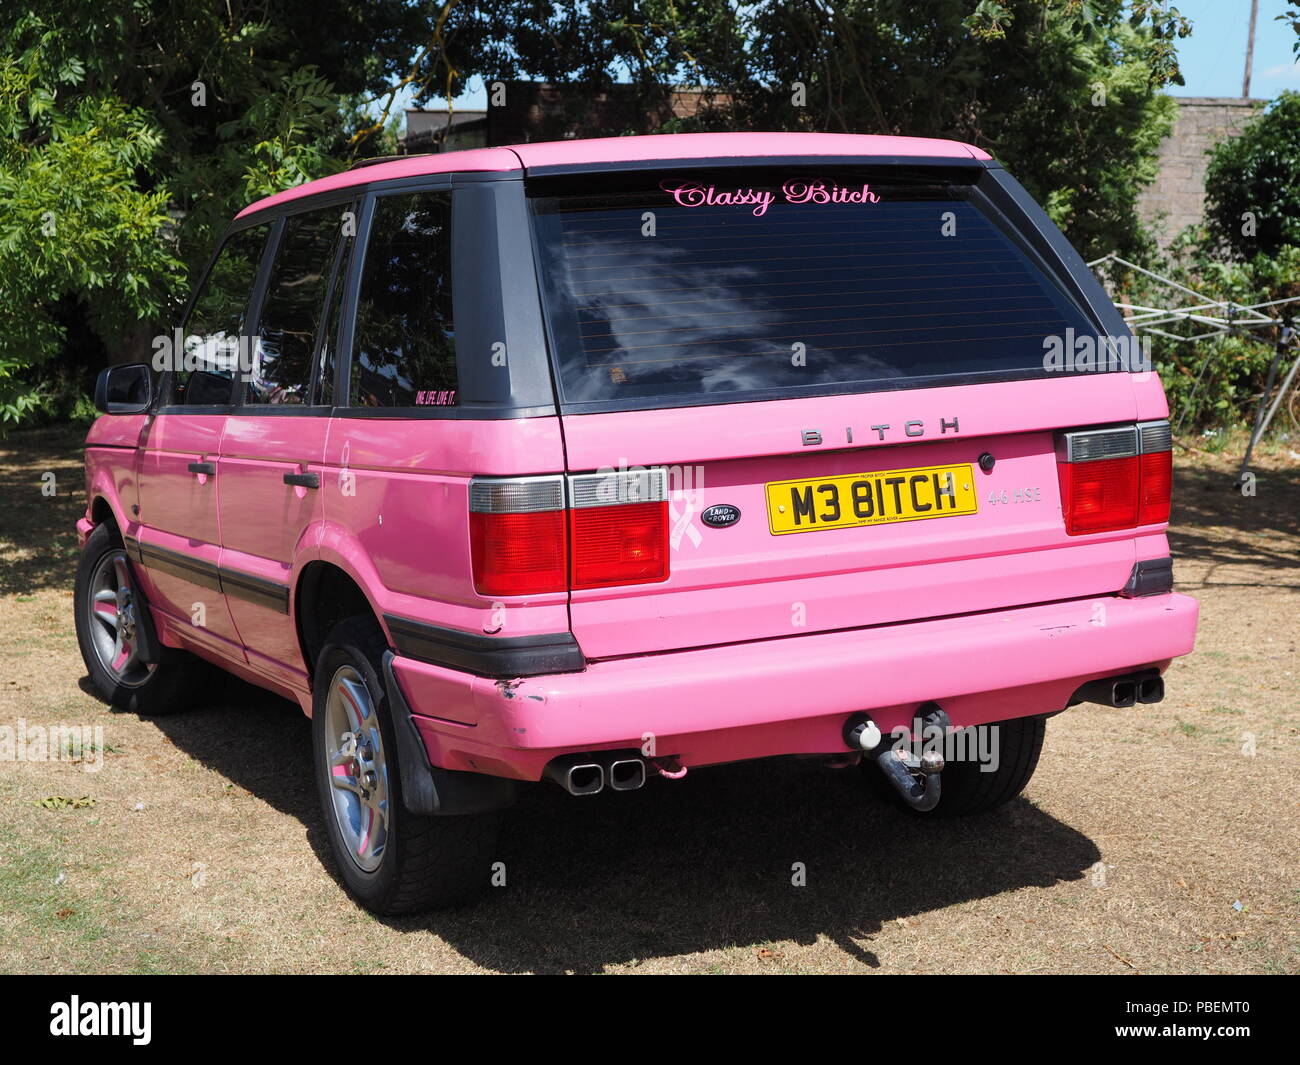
pixel 40 526
pixel 1266 526
pixel 680 866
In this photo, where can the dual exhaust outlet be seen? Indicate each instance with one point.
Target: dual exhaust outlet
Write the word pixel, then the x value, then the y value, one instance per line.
pixel 1122 691
pixel 590 774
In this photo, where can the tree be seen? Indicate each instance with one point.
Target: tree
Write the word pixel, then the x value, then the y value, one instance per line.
pixel 1252 184
pixel 1065 93
pixel 145 124
pixel 131 130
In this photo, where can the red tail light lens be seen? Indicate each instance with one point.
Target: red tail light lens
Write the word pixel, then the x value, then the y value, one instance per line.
pixel 519 554
pixel 1156 478
pixel 1116 478
pixel 1099 496
pixel 548 534
pixel 518 536
pixel 622 544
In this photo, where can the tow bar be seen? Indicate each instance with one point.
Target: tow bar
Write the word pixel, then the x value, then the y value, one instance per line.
pixel 915 777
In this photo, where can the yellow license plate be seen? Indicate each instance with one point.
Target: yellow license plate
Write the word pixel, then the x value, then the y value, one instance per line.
pixel 879 498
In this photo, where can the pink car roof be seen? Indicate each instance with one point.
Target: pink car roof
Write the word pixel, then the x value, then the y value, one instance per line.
pixel 631 149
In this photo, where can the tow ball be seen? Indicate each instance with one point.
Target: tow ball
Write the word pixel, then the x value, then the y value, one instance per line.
pixel 914 776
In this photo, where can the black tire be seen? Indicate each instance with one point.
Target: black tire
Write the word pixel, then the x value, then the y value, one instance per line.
pixel 170 685
pixel 965 788
pixel 426 862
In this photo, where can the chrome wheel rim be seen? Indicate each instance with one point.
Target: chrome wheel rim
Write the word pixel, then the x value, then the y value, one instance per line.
pixel 111 616
pixel 357 769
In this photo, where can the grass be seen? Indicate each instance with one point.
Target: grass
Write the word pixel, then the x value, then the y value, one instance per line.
pixel 205 851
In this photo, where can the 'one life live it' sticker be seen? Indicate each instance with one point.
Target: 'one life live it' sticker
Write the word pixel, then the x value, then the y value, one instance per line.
pixel 442 397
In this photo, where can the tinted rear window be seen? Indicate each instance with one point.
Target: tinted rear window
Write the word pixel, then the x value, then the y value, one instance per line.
pixel 745 282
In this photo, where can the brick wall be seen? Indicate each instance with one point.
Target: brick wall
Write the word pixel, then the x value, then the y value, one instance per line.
pixel 1179 189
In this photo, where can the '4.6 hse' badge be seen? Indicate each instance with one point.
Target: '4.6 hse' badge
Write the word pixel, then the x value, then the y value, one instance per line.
pixel 720 515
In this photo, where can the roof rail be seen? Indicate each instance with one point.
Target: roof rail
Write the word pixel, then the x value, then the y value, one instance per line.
pixel 376 159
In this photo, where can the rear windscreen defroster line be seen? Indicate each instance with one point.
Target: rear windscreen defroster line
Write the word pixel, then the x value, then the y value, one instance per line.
pixel 743 285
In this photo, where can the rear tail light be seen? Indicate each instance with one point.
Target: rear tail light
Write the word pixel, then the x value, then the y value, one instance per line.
pixel 550 534
pixel 618 526
pixel 1115 478
pixel 1156 477
pixel 518 537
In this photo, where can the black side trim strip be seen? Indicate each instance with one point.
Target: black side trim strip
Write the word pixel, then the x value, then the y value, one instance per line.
pixel 194 570
pixel 486 656
pixel 257 590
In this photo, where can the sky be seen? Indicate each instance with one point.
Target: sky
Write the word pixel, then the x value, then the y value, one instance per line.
pixel 1213 58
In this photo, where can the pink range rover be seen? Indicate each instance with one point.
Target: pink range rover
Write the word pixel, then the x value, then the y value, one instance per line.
pixel 599 461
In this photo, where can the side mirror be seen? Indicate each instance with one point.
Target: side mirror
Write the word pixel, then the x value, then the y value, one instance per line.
pixel 124 389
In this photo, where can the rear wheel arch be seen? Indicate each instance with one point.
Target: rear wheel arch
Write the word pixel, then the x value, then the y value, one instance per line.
pixel 326 594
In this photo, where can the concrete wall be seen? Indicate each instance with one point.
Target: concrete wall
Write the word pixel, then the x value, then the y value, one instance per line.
pixel 1179 189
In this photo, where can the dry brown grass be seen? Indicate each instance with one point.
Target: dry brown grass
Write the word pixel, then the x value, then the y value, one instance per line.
pixel 1140 832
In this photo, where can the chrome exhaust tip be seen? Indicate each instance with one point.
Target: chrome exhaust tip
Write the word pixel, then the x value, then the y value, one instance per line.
pixel 586 778
pixel 577 778
pixel 627 774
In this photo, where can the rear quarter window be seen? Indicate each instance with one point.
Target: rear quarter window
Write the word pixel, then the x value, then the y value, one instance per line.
pixel 404 346
pixel 755 284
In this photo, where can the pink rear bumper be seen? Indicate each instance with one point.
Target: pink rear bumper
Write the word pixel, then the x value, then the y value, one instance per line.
pixel 791 695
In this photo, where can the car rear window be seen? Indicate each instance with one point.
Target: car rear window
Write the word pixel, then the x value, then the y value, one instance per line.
pixel 679 284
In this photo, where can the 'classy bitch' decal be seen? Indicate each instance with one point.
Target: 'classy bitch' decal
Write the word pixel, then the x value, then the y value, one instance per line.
pixel 690 193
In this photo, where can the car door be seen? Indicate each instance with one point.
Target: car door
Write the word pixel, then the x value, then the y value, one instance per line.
pixel 179 537
pixel 274 443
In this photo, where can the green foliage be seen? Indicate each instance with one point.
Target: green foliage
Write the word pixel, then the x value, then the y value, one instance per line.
pixel 1215 382
pixel 1245 260
pixel 1065 93
pixel 1252 184
pixel 75 221
pixel 131 131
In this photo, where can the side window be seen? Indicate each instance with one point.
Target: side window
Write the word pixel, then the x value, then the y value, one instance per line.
pixel 289 323
pixel 202 373
pixel 404 343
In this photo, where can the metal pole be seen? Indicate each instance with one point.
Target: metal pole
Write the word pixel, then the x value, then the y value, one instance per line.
pixel 1281 392
pixel 1283 339
pixel 1250 50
